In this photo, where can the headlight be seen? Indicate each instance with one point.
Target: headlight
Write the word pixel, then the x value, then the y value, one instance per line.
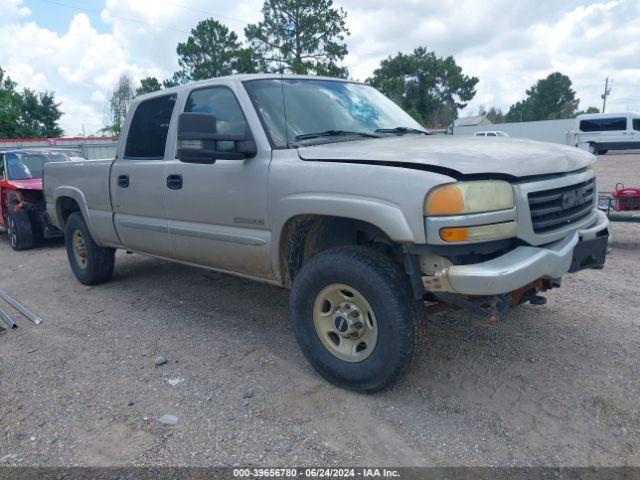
pixel 469 197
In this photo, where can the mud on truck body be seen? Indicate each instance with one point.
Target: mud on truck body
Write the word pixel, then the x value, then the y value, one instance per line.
pixel 22 204
pixel 328 188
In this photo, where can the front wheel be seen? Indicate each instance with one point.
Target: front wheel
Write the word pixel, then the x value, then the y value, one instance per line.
pixel 355 319
pixel 90 263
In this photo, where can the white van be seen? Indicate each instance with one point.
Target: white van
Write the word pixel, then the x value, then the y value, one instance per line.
pixel 601 132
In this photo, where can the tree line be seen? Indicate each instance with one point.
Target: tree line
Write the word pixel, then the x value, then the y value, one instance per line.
pixel 308 37
pixel 299 37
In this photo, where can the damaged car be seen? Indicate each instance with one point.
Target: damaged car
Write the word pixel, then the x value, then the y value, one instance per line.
pixel 22 203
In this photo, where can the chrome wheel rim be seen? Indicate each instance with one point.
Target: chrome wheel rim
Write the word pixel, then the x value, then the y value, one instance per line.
pixel 11 232
pixel 345 322
pixel 79 247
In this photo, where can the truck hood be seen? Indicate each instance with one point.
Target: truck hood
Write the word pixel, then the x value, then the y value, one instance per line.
pixel 456 156
pixel 27 184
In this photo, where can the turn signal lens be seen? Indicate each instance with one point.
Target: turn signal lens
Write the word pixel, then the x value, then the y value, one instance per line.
pixel 469 197
pixel 480 233
pixel 455 234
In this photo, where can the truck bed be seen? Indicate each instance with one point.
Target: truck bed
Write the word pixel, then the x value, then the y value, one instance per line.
pixel 86 182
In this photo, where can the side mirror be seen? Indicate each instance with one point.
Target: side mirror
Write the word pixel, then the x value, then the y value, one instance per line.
pixel 200 142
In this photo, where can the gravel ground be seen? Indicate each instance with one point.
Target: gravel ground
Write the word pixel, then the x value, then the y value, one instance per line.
pixel 547 385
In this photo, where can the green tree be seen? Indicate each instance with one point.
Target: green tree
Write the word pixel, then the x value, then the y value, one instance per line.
pixel 40 115
pixel 300 36
pixel 430 88
pixel 494 114
pixel 10 106
pixel 121 98
pixel 548 99
pixel 212 50
pixel 148 85
pixel 588 110
pixel 27 114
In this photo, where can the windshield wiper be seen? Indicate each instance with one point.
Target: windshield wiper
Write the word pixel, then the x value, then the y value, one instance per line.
pixel 401 130
pixel 334 133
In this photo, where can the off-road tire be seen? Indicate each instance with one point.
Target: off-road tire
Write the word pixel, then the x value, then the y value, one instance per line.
pixel 399 316
pixel 99 260
pixel 20 231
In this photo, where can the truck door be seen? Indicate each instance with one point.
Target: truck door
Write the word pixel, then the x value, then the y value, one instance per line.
pixel 138 179
pixel 218 212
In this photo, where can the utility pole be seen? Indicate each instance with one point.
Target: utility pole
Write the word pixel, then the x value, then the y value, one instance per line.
pixel 607 92
pixel 83 132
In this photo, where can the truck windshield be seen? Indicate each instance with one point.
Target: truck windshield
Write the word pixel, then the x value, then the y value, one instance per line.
pixel 306 111
pixel 22 166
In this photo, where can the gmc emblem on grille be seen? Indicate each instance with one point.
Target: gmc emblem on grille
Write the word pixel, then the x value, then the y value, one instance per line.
pixel 573 199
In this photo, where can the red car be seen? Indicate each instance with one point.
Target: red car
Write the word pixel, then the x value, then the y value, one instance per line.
pixel 21 200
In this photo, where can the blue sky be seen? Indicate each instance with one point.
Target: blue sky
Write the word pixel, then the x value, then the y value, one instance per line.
pixel 65 47
pixel 56 17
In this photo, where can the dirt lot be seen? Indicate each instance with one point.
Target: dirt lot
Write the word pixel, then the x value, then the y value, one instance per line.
pixel 550 385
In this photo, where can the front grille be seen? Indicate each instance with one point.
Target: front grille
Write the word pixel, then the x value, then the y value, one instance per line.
pixel 559 207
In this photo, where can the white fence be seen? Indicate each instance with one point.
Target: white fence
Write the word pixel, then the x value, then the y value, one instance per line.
pixel 554 131
pixel 92 147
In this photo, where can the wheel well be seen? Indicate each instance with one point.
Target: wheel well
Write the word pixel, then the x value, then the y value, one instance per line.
pixel 304 236
pixel 66 206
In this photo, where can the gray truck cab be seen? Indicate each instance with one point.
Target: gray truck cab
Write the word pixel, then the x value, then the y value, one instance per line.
pixel 328 188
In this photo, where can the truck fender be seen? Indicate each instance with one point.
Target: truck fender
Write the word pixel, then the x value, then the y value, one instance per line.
pixel 79 198
pixel 387 216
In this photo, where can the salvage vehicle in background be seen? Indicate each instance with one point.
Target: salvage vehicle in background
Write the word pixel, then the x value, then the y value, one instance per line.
pixel 327 187
pixel 21 202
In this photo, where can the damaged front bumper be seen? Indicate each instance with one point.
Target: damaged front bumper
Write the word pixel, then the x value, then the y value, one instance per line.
pixel 524 265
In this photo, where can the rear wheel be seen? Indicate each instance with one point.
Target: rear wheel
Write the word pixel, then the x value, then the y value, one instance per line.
pixel 90 263
pixel 355 318
pixel 20 231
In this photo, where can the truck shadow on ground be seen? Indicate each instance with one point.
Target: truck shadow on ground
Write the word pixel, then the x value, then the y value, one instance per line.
pixel 518 345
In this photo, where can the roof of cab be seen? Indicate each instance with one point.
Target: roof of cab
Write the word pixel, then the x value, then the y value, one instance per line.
pixel 237 78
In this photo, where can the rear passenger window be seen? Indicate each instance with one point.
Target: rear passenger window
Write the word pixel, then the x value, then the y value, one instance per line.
pixel 221 102
pixel 603 124
pixel 636 124
pixel 149 128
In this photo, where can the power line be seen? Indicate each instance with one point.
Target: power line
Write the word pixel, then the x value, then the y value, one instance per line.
pixel 96 12
pixel 197 10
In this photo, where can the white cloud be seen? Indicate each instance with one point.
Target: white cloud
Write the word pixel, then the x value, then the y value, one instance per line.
pixel 508 45
pixel 12 10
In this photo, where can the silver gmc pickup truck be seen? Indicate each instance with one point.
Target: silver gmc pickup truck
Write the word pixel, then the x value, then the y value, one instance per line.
pixel 328 188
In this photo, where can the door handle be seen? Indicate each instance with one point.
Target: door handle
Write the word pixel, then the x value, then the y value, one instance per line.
pixel 123 181
pixel 174 182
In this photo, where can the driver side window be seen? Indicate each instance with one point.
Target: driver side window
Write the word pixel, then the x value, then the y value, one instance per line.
pixel 221 102
pixel 2 177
